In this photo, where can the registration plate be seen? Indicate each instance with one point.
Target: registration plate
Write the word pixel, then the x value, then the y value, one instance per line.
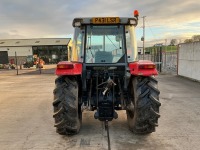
pixel 105 20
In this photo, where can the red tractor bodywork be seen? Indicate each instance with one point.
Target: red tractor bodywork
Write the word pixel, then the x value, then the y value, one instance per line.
pixel 138 68
pixel 143 68
pixel 68 68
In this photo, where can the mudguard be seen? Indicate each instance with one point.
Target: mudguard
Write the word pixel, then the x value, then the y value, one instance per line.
pixel 143 68
pixel 68 68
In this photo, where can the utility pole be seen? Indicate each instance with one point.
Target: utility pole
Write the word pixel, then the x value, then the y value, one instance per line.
pixel 143 35
pixel 165 64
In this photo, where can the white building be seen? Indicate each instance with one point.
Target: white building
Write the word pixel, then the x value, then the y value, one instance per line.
pixel 46 48
pixel 140 50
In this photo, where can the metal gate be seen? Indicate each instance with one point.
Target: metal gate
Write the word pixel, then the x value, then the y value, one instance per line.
pixel 165 61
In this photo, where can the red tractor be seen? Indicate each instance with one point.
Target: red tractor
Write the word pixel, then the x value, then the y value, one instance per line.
pixel 104 75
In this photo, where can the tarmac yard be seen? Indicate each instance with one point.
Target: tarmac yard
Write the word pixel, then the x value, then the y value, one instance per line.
pixel 26 121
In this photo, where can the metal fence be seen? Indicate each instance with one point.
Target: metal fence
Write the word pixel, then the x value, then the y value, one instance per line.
pixel 20 70
pixel 169 62
pixel 165 61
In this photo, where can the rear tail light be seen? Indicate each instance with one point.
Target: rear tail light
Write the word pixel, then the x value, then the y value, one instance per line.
pixel 152 66
pixel 65 66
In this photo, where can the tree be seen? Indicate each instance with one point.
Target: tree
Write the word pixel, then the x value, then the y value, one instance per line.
pixel 196 38
pixel 173 42
pixel 188 41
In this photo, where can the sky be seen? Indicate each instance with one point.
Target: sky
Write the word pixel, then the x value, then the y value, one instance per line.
pixel 165 19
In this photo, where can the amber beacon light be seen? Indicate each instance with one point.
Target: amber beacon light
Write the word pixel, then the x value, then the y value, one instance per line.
pixel 136 13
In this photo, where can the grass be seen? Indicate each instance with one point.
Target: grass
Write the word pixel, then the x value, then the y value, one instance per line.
pixel 164 48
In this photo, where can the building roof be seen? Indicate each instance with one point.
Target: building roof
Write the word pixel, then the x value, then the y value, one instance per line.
pixel 33 42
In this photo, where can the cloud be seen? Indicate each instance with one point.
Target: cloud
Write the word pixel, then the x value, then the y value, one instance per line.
pixel 50 18
pixel 6 35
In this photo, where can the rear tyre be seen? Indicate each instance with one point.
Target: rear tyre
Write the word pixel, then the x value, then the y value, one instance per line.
pixel 67 112
pixel 143 118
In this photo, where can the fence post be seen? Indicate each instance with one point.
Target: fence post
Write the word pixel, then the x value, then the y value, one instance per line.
pixel 178 48
pixel 39 66
pixel 16 61
pixel 160 62
pixel 157 58
pixel 165 64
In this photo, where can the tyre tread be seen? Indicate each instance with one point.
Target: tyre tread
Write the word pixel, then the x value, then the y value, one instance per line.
pixel 146 112
pixel 66 106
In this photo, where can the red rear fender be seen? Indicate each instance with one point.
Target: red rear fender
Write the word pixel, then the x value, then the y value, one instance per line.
pixel 68 68
pixel 143 68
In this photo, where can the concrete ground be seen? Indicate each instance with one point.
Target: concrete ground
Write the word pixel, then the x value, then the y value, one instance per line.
pixel 26 121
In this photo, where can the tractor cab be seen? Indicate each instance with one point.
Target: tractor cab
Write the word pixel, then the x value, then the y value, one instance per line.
pixel 105 40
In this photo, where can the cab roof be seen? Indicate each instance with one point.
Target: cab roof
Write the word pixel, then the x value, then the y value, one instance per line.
pixel 105 21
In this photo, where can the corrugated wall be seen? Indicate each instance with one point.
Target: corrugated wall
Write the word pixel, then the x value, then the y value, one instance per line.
pixel 189 60
pixel 21 51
